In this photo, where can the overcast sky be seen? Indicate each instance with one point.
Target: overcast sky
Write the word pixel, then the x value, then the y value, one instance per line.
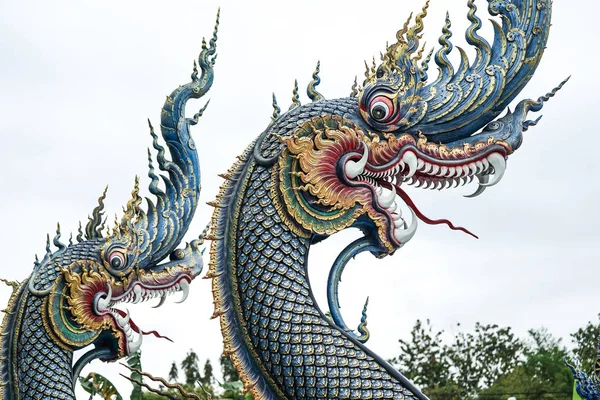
pixel 78 80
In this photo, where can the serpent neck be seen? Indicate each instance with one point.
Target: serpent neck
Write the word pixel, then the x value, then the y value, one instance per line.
pixel 273 329
pixel 32 365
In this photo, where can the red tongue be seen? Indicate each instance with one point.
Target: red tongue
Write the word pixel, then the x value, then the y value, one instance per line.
pixel 136 329
pixel 423 218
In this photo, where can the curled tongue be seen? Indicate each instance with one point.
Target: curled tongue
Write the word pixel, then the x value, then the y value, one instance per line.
pixel 429 221
pixel 136 329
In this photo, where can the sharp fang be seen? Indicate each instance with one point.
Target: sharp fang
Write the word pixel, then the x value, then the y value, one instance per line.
pixel 443 171
pixel 355 168
pixel 451 172
pixel 386 200
pixel 122 321
pixel 163 297
pixel 403 236
pixel 420 164
pixel 473 169
pixel 185 288
pixel 499 163
pixel 137 291
pixel 435 169
pixel 135 346
pixel 466 170
pixel 482 181
pixel 104 302
pixel 411 161
pixel 428 168
pixel 393 207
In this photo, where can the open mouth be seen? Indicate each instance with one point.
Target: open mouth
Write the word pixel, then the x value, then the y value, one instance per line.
pixel 413 167
pixel 104 303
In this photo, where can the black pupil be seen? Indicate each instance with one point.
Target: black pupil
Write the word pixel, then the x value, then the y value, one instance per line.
pixel 116 262
pixel 378 112
pixel 379 73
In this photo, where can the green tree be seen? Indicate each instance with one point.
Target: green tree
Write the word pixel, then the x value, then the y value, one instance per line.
pixel 540 375
pixel 207 378
pixel 586 342
pixel 173 373
pixel 229 372
pixel 135 361
pixel 189 365
pixel 424 359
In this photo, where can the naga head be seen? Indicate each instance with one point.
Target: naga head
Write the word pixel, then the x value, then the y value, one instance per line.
pixel 348 161
pixel 83 284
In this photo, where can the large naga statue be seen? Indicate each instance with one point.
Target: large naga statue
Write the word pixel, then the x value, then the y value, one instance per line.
pixel 330 165
pixel 70 300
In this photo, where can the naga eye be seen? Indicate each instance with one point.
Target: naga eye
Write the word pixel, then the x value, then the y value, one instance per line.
pixel 381 108
pixel 116 259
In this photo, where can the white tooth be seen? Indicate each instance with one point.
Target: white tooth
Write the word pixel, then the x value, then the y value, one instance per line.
pixel 411 161
pixel 459 171
pixel 420 164
pixel 393 207
pixel 185 288
pixel 466 170
pixel 485 163
pixel 451 172
pixel 428 168
pixel 403 236
pixel 419 183
pixel 123 321
pixel 396 170
pixel 464 180
pixel 472 169
pixel 402 165
pixel 426 184
pixel 456 182
pixel 435 170
pixel 135 346
pixel 163 297
pixel 482 181
pixel 479 166
pixel 396 217
pixel 104 302
pixel 355 168
pixel 138 292
pixel 379 190
pixel 387 199
pixel 499 163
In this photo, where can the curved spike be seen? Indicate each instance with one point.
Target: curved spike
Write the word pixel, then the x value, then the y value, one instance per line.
pixel 441 57
pixel 194 120
pixel 484 51
pixel 79 233
pixel 36 263
pixel 295 97
pixel 56 241
pixel 48 250
pixel 93 229
pixel 276 109
pixel 412 35
pixel 354 92
pixel 313 95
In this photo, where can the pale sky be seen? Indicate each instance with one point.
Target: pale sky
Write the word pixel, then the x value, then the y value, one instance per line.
pixel 78 80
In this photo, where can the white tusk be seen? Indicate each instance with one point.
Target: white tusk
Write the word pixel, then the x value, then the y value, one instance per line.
pixel 411 161
pixel 403 236
pixel 135 346
pixel 355 168
pixel 482 181
pixel 386 200
pixel 185 288
pixel 163 297
pixel 104 302
pixel 123 321
pixel 137 291
pixel 499 163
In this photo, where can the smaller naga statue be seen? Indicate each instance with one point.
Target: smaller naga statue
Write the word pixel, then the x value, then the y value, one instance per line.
pixel 70 300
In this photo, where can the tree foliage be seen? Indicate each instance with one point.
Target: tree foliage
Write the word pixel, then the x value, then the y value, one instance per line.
pixel 173 373
pixel 189 365
pixel 491 363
